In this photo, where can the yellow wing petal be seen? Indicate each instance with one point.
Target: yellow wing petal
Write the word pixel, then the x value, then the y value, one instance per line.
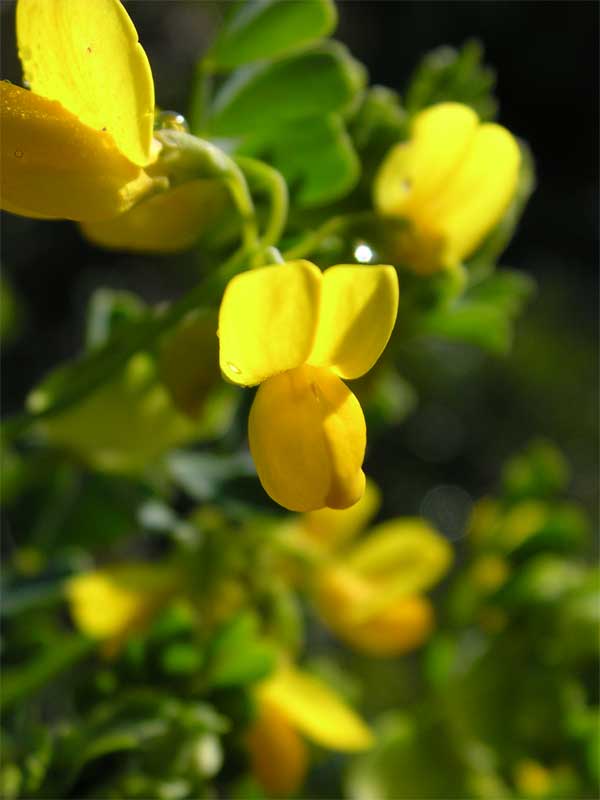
pixel 315 710
pixel 267 321
pixel 479 193
pixel 358 311
pixel 307 437
pixel 54 166
pixel 85 54
pixel 414 172
pixel 165 223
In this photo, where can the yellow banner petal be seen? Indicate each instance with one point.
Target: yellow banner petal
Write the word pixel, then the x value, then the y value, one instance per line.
pixel 85 54
pixel 54 166
pixel 358 311
pixel 315 710
pixel 267 321
pixel 307 437
pixel 165 223
pixel 414 172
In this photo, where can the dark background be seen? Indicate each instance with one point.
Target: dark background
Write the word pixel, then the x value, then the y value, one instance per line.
pixel 474 410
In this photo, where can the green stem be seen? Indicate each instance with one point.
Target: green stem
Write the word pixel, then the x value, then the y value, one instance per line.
pixel 312 240
pixel 272 181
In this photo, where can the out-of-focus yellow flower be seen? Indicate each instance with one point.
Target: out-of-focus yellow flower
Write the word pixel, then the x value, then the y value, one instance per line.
pixel 125 425
pixel 489 572
pixel 113 603
pixel 371 596
pixel 75 145
pixel 532 779
pixel 452 182
pixel 292 704
pixel 297 332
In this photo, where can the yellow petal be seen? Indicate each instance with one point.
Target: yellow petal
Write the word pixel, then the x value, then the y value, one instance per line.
pixel 86 55
pixel 307 437
pixel 54 166
pixel 315 710
pixel 400 557
pixel 267 321
pixel 278 756
pixel 357 316
pixel 479 192
pixel 165 223
pixel 414 172
pixel 333 528
pixel 119 600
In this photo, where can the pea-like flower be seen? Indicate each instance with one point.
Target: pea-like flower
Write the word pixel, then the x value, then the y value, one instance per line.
pixel 452 182
pixel 371 593
pixel 297 332
pixel 75 145
pixel 291 704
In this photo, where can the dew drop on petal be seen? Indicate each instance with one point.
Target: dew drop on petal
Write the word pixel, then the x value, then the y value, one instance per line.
pixel 232 368
pixel 171 120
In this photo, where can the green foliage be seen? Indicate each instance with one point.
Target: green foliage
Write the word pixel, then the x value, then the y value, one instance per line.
pixel 259 30
pixel 450 75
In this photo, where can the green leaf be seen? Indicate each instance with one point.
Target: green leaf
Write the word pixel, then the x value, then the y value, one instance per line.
pixel 450 75
pixel 539 471
pixel 380 122
pixel 265 29
pixel 202 475
pixel 317 81
pixel 316 157
pixel 238 655
pixel 484 315
pixel 18 682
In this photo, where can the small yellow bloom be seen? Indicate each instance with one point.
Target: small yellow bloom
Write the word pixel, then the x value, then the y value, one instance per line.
pixel 297 332
pixel 371 596
pixel 290 703
pixel 113 603
pixel 452 182
pixel 532 779
pixel 76 145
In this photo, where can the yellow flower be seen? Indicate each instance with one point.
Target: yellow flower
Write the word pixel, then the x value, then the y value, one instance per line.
pixel 372 596
pixel 76 145
pixel 371 593
pixel 113 603
pixel 292 703
pixel 452 182
pixel 297 332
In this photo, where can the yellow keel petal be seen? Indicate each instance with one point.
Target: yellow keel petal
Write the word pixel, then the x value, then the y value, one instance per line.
pixel 307 437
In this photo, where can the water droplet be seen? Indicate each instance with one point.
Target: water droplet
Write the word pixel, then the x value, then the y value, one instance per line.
pixel 315 390
pixel 18 154
pixel 171 120
pixel 232 368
